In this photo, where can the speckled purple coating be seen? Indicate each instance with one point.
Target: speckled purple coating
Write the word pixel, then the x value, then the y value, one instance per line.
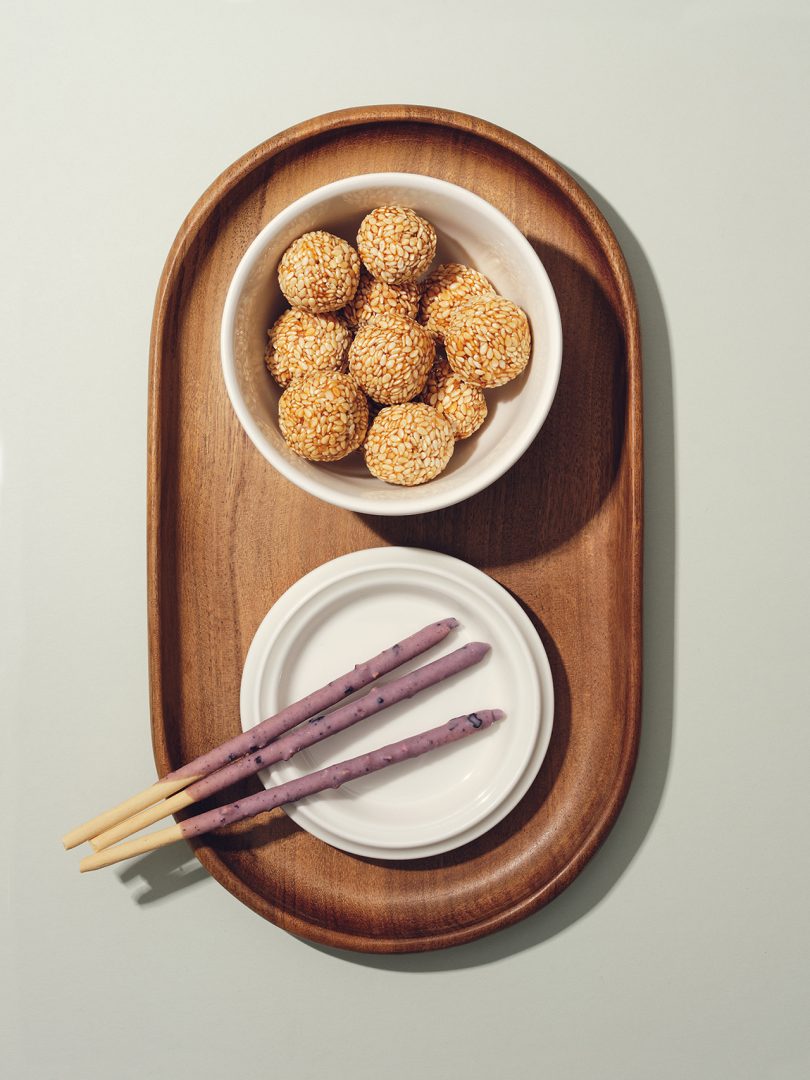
pixel 335 775
pixel 361 675
pixel 319 727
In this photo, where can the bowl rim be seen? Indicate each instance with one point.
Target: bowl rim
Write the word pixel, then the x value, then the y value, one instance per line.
pixel 426 501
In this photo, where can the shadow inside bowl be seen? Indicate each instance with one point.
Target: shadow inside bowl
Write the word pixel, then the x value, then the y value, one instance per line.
pixel 564 477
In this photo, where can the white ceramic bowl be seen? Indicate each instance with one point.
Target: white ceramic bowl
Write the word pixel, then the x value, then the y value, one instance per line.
pixel 469 231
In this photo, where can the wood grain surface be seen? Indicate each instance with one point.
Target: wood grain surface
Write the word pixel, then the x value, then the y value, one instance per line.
pixel 562 530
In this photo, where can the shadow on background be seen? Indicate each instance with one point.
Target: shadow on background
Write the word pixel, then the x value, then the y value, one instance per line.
pixel 170 870
pixel 640 809
pixel 163 873
pixel 173 869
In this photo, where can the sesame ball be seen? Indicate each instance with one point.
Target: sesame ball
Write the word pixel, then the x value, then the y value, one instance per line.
pixel 463 404
pixel 390 358
pixel 448 286
pixel 300 342
pixel 379 298
pixel 323 416
pixel 396 244
pixel 319 272
pixel 408 444
pixel 488 341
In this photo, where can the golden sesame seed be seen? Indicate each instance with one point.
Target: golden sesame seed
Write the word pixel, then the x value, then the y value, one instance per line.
pixel 319 272
pixel 379 298
pixel 390 358
pixel 443 290
pixel 457 400
pixel 396 244
pixel 300 341
pixel 488 341
pixel 323 416
pixel 408 444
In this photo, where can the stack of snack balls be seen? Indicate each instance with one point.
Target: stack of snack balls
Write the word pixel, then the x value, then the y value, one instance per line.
pixel 373 353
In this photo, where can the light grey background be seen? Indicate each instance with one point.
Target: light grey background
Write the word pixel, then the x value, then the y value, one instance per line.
pixel 682 948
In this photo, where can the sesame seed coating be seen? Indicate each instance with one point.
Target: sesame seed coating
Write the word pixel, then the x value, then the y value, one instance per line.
pixel 448 286
pixel 379 298
pixel 390 358
pixel 488 341
pixel 408 444
pixel 396 244
pixel 463 404
pixel 300 341
pixel 319 272
pixel 323 416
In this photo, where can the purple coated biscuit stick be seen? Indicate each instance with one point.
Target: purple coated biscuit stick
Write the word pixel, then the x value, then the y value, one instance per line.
pixel 361 675
pixel 319 727
pixel 300 788
pixel 283 748
pixel 335 775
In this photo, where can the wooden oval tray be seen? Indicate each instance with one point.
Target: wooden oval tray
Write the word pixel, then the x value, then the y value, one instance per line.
pixel 562 531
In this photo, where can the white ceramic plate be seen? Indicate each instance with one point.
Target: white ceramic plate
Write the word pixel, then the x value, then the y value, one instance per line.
pixel 348 610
